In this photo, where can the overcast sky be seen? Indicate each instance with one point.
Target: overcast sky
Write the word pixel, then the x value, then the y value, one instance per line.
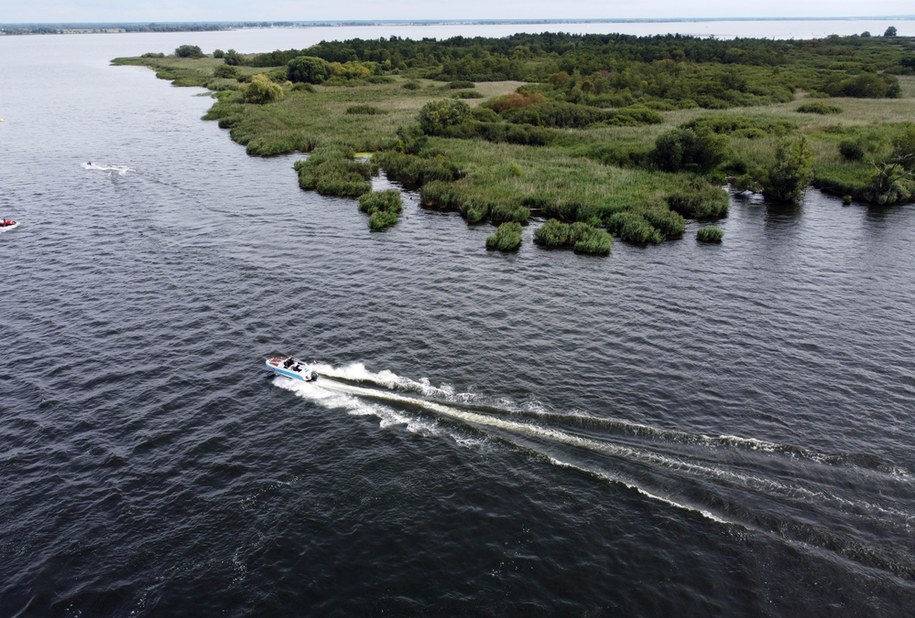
pixel 307 10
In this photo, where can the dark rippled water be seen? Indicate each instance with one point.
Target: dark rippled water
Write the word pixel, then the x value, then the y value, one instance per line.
pixel 681 429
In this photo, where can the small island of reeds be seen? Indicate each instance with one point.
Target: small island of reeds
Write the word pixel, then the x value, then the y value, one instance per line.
pixel 590 135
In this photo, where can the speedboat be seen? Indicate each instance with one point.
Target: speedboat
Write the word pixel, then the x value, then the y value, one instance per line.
pixel 7 224
pixel 290 367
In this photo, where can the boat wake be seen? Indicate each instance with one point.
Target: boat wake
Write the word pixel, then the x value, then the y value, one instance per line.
pixel 841 505
pixel 120 170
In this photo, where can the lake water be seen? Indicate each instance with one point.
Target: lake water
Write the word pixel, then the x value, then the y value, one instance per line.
pixel 673 430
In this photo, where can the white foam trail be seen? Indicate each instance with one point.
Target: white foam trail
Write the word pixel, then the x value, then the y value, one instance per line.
pixel 354 405
pixel 120 170
pixel 357 372
pixel 353 398
pixel 339 395
pixel 631 485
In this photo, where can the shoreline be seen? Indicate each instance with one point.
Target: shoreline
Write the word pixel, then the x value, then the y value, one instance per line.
pixel 102 27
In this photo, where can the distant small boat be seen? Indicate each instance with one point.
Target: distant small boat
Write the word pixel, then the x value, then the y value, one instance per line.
pixel 7 224
pixel 289 367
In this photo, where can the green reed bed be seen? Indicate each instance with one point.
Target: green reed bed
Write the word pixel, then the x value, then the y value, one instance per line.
pixel 709 234
pixel 507 238
pixel 382 207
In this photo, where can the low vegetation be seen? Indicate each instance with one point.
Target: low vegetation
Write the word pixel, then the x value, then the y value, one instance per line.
pixel 597 134
pixel 710 234
pixel 507 238
pixel 382 207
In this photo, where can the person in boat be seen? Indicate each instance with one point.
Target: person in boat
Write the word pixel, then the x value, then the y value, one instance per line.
pixel 288 363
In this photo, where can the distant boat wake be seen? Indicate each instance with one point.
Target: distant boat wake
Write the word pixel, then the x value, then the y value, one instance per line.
pixel 808 499
pixel 120 170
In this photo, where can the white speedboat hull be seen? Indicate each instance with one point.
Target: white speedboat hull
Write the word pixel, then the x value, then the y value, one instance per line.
pixel 7 228
pixel 289 367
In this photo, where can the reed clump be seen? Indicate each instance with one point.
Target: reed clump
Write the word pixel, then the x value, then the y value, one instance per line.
pixel 382 207
pixel 507 238
pixel 700 200
pixel 710 234
pixel 579 236
pixel 331 170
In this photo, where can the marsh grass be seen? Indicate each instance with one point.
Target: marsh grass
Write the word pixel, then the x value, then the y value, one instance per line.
pixel 506 238
pixel 331 170
pixel 579 236
pixel 710 234
pixel 383 208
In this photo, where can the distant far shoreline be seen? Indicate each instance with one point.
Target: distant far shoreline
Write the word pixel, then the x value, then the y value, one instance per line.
pixel 123 27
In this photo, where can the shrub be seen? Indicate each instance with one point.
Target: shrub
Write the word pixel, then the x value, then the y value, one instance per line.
pixel 412 85
pixel 435 116
pixel 818 107
pixel 367 110
pixel 233 58
pixel 225 71
pixel 514 100
pixel 556 114
pixel 742 126
pixel 261 90
pixel 560 114
pixel 467 94
pixel 352 69
pixel 218 53
pixel 634 115
pixel 791 172
pixel 484 114
pixel 189 51
pixel 700 200
pixel 686 149
pixel 851 150
pixel 865 86
pixel 307 69
pixel 506 238
pixel 460 85
pixel 501 132
pixel 710 234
